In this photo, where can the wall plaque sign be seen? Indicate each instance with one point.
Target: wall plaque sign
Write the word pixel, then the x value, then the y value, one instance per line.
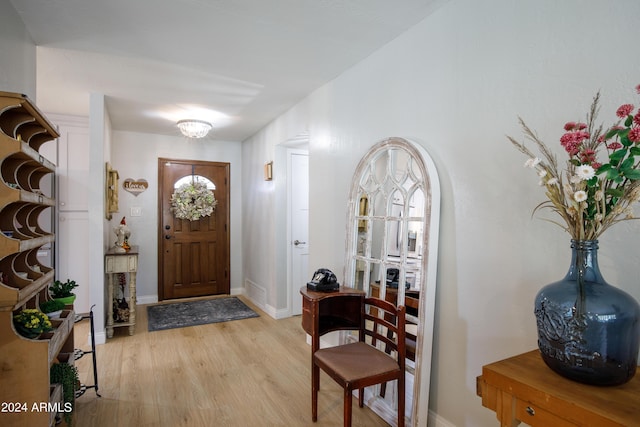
pixel 135 186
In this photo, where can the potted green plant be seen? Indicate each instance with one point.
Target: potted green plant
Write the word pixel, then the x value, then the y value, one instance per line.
pixel 67 375
pixel 63 291
pixel 52 308
pixel 31 322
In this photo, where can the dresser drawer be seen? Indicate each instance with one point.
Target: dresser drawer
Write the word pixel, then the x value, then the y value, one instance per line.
pixel 536 417
pixel 121 263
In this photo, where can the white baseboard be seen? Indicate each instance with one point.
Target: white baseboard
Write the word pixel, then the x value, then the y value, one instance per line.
pixel 146 299
pixel 256 293
pixel 101 338
pixel 436 420
pixel 258 296
pixel 283 313
pixel 271 311
pixel 275 313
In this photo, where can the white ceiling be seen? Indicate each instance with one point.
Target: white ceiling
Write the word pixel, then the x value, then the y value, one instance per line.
pixel 241 63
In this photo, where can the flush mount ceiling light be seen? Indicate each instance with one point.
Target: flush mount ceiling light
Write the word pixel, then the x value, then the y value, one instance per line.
pixel 194 128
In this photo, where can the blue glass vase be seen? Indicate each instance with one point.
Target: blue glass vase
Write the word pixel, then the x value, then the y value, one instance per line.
pixel 588 330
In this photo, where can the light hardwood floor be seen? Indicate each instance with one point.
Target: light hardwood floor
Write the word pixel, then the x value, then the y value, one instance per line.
pixel 253 372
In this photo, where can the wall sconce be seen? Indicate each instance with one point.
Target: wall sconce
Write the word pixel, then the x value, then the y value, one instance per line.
pixel 268 171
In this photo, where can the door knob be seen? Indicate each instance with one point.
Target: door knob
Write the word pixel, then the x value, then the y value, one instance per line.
pixel 167 236
pixel 298 242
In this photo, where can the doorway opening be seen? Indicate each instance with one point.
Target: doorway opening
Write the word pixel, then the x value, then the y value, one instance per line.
pixel 292 197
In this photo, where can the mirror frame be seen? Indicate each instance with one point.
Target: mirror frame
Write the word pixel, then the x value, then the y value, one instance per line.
pixel 429 262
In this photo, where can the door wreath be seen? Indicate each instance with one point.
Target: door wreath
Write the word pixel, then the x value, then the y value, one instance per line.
pixel 193 201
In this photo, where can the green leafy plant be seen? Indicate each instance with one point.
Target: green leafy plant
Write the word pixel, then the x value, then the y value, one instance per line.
pixel 67 375
pixel 31 322
pixel 62 289
pixel 601 181
pixel 51 306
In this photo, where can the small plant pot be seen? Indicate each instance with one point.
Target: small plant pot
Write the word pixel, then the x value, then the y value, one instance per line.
pixel 54 314
pixel 67 300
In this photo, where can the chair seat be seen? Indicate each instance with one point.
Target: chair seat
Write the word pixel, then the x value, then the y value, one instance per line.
pixel 355 361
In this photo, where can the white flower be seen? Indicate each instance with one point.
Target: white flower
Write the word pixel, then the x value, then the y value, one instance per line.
pixel 575 179
pixel 580 196
pixel 532 162
pixel 598 196
pixel 585 172
pixel 542 173
pixel 552 181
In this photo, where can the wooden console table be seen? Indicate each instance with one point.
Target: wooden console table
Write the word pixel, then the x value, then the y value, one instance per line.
pixel 121 262
pixel 524 389
pixel 324 312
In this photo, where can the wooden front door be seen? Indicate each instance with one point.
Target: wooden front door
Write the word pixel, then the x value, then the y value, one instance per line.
pixel 193 256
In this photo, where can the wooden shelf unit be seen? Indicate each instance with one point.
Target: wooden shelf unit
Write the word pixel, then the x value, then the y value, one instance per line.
pixel 24 282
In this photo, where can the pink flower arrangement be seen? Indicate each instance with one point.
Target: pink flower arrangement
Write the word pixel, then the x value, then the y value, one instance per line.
pixel 592 193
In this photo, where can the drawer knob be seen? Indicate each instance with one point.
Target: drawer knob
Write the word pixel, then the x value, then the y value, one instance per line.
pixel 530 410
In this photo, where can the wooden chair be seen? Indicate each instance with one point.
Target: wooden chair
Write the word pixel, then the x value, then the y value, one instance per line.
pixel 362 364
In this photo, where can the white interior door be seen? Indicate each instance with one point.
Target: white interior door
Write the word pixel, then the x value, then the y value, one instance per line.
pixel 299 225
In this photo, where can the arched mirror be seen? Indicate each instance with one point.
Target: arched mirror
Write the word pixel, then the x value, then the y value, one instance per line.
pixel 392 249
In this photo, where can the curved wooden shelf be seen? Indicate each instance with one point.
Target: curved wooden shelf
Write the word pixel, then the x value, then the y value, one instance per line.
pixel 12 297
pixel 10 195
pixel 11 245
pixel 21 119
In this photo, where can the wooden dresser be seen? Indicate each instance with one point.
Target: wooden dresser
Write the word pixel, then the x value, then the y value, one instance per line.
pixel 523 389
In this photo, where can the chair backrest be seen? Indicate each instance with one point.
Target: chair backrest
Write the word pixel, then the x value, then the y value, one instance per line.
pixel 383 322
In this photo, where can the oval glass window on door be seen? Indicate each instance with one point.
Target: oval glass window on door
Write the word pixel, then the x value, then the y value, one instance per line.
pixel 188 179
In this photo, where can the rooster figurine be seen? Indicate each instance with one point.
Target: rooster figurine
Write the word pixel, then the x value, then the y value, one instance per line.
pixel 122 233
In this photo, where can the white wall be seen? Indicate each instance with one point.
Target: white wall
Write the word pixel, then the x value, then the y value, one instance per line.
pixel 18 63
pixel 455 84
pixel 264 241
pixel 135 155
